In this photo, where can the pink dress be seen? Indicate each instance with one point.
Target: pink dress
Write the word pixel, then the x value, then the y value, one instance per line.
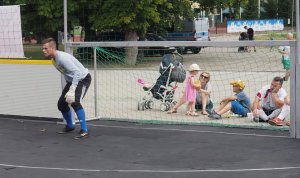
pixel 190 92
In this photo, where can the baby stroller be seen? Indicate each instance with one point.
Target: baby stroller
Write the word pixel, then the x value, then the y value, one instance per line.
pixel 171 70
pixel 243 37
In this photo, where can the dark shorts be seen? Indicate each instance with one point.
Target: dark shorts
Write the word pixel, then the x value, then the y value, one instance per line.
pixel 80 92
pixel 268 112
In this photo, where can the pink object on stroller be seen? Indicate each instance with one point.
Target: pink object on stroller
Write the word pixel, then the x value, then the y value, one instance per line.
pixel 146 86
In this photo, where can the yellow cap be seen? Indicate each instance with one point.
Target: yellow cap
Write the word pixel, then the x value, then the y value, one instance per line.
pixel 238 83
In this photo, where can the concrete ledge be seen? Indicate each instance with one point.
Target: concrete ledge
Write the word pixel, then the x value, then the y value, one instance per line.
pixel 30 118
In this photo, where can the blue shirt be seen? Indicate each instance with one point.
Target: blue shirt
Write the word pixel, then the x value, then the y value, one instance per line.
pixel 243 99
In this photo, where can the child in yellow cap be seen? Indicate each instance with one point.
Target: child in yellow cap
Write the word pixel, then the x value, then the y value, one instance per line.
pixel 239 103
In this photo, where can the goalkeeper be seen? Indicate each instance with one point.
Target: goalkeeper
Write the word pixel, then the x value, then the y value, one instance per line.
pixel 78 81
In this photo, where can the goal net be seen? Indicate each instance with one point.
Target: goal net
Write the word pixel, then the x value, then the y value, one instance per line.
pixel 11 45
pixel 120 88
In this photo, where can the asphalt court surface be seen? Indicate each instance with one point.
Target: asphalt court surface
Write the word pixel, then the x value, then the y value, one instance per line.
pixel 33 149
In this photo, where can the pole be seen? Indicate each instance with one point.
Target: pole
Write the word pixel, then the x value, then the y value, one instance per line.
pixel 297 62
pixel 65 24
pixel 221 15
pixel 295 82
pixel 293 8
pixel 277 9
pixel 258 9
pixel 95 84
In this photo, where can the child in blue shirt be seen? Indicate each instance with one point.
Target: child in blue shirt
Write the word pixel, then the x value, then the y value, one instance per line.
pixel 239 103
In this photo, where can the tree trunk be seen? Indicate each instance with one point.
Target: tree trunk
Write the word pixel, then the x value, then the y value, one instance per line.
pixel 131 52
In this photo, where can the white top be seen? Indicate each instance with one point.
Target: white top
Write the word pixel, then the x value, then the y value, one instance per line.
pixel 286 49
pixel 265 97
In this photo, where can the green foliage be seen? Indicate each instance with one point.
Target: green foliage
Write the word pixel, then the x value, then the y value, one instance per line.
pixel 270 9
pixel 173 14
pixel 251 10
pixel 132 14
pixel 278 9
pixel 285 9
pixel 45 18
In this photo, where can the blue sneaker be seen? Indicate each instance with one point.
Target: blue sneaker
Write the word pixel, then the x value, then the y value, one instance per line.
pixel 214 115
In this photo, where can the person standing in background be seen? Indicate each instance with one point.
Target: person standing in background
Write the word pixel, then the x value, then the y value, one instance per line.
pixel 285 59
pixel 250 33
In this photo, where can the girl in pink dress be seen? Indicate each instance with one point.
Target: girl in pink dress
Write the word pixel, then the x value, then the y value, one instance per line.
pixel 190 92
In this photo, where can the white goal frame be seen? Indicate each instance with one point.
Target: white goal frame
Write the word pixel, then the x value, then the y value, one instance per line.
pixel 295 60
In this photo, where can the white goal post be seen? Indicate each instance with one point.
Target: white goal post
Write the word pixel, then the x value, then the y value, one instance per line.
pixel 295 69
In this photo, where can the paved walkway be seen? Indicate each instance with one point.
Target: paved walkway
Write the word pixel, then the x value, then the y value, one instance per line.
pixel 119 149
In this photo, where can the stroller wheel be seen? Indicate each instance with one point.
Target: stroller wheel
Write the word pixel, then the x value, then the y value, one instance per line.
pixel 164 107
pixel 146 106
pixel 173 103
pixel 141 106
pixel 149 104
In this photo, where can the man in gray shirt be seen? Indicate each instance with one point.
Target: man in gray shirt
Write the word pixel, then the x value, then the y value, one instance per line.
pixel 78 81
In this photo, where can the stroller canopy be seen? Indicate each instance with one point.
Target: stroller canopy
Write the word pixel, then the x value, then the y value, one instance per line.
pixel 178 73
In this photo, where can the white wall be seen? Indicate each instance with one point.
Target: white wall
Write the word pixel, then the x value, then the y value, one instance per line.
pixel 29 90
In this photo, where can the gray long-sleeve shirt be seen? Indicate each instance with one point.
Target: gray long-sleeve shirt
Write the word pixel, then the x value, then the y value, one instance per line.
pixel 70 67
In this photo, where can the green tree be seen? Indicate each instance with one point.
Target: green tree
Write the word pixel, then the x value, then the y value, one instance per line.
pixel 169 17
pixel 270 9
pixel 285 9
pixel 251 10
pixel 44 18
pixel 134 18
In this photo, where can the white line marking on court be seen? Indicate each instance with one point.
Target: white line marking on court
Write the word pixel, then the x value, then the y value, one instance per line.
pixel 148 170
pixel 187 130
pixel 161 129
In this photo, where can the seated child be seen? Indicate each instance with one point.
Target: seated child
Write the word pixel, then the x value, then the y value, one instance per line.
pixel 239 103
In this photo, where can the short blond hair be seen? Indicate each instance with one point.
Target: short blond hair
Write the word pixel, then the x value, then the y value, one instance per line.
pixel 290 36
pixel 51 42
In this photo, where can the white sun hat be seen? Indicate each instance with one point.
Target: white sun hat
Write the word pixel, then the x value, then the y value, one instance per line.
pixel 194 67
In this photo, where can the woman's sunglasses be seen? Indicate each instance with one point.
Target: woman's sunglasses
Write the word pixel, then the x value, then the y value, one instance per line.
pixel 203 76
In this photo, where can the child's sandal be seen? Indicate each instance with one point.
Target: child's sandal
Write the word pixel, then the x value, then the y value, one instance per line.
pixel 204 113
pixel 194 114
pixel 172 111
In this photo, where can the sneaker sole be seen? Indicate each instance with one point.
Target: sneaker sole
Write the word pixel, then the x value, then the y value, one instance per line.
pixel 212 117
pixel 81 137
pixel 274 123
pixel 62 132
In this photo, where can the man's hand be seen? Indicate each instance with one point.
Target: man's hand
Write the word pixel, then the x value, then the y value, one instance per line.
pixel 276 89
pixel 70 96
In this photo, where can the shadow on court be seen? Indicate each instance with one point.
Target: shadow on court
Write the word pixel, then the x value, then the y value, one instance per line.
pixel 32 149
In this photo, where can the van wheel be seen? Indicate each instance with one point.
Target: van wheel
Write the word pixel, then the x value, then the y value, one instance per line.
pixel 196 50
pixel 181 50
